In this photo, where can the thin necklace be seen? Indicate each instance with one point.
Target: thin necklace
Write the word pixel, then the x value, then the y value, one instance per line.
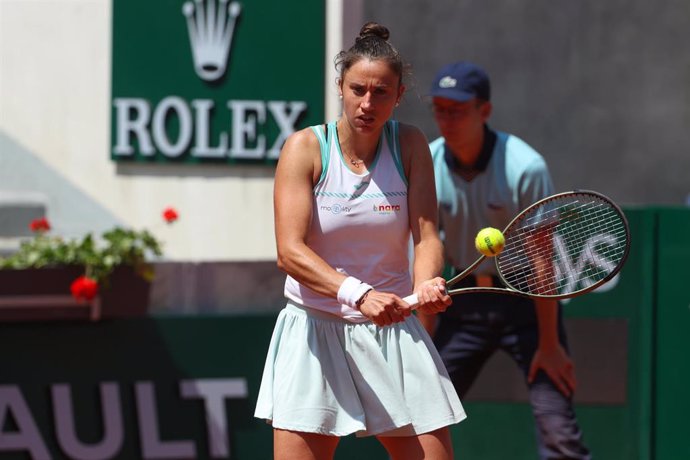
pixel 353 162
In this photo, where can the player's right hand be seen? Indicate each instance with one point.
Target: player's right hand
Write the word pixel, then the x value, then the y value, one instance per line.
pixel 432 296
pixel 383 308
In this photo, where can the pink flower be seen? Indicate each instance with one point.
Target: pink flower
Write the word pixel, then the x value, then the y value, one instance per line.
pixel 84 288
pixel 39 225
pixel 170 215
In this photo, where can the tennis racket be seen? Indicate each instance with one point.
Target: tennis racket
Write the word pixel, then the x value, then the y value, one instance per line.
pixel 560 247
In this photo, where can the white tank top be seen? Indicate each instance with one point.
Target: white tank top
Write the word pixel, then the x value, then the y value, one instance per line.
pixel 360 224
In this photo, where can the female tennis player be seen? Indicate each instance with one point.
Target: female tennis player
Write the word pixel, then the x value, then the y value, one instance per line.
pixel 346 354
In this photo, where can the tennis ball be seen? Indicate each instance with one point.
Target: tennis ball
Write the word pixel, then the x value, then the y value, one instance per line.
pixel 489 241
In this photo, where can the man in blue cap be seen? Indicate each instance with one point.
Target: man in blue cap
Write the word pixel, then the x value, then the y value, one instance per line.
pixel 484 178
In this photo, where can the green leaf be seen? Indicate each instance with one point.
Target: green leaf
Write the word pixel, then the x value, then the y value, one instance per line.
pixel 115 247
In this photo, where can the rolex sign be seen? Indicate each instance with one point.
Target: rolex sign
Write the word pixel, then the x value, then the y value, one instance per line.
pixel 214 80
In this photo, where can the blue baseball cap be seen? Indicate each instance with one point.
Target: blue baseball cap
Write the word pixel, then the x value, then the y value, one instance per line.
pixel 462 81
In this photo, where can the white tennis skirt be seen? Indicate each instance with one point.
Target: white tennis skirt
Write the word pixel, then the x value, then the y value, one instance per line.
pixel 326 375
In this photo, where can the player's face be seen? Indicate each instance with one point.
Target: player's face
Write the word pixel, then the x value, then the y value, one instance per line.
pixel 460 120
pixel 370 90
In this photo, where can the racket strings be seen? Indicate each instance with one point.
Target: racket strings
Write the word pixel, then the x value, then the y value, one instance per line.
pixel 563 246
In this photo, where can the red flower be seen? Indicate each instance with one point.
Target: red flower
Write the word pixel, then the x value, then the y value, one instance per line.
pixel 84 288
pixel 39 225
pixel 170 215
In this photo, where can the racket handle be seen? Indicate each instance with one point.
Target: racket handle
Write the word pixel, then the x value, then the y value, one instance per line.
pixel 412 300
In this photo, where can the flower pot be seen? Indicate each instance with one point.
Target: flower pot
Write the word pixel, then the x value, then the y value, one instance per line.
pixel 44 294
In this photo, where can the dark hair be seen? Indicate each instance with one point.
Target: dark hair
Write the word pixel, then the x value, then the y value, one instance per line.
pixel 372 43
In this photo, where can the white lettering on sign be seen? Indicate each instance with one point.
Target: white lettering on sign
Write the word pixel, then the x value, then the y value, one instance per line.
pixel 214 394
pixel 66 429
pixel 286 115
pixel 152 446
pixel 172 106
pixel 27 437
pixel 135 121
pixel 202 147
pixel 132 117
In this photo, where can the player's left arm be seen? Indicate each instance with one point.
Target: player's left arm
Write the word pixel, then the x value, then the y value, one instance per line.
pixel 423 216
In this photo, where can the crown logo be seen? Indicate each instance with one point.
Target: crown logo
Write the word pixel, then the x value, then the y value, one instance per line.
pixel 211 25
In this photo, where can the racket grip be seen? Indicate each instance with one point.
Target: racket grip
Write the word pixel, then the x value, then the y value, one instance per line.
pixel 412 300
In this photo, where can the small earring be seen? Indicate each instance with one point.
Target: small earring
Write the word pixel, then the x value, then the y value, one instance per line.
pixel 340 96
pixel 397 104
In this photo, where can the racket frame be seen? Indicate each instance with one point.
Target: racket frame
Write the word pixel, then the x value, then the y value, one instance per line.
pixel 508 289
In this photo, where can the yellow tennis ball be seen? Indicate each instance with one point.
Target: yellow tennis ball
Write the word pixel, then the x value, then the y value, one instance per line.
pixel 489 241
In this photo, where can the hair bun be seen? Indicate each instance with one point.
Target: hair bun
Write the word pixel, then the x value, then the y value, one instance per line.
pixel 373 29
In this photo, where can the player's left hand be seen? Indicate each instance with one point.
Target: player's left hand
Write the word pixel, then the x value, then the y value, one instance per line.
pixel 432 296
pixel 556 363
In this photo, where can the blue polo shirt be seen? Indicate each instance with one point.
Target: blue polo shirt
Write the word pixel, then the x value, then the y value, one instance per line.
pixel 512 176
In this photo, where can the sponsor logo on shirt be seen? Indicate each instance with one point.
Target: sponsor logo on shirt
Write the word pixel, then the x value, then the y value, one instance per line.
pixel 386 208
pixel 336 208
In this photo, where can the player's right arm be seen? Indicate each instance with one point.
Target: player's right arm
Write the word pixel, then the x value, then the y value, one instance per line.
pixel 299 168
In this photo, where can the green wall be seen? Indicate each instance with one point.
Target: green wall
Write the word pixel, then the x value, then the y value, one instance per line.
pixel 144 365
pixel 672 340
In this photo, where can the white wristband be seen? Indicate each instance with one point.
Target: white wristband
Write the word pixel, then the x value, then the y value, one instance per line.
pixel 351 291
